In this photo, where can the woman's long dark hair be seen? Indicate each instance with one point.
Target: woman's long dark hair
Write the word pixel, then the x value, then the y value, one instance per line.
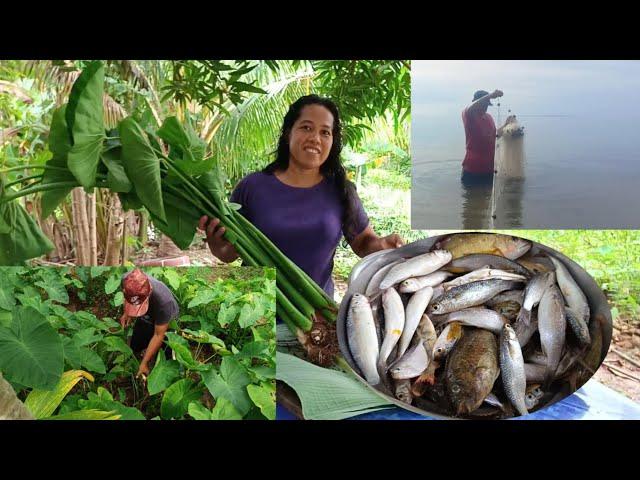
pixel 332 168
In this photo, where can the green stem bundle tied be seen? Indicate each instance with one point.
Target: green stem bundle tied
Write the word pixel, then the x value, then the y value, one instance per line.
pixel 176 188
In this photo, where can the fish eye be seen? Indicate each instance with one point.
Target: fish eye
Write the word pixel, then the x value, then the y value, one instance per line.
pixel 440 350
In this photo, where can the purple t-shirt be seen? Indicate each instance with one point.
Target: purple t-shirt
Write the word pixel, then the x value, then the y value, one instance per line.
pixel 305 223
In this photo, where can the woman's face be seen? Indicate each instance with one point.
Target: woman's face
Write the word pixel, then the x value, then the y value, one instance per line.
pixel 311 137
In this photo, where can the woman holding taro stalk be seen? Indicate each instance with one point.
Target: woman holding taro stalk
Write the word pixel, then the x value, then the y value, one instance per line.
pixel 303 201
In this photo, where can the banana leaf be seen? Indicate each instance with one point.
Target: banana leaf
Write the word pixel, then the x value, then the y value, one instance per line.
pixel 326 394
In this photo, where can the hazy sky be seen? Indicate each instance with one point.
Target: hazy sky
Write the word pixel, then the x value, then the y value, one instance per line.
pixel 601 99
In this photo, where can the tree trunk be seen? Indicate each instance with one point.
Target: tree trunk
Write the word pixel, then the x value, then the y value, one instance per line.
pixel 80 227
pixel 143 230
pixel 115 229
pixel 93 237
pixel 11 408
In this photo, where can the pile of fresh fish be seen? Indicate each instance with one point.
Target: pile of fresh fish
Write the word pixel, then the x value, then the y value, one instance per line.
pixel 476 327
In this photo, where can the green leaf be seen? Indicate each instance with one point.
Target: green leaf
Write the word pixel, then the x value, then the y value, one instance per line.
pixel 84 115
pixel 203 297
pixel 103 400
pixel 227 315
pixel 113 284
pixel 183 354
pixel 7 297
pixel 117 179
pixel 97 271
pixel 199 411
pixel 91 414
pixel 230 383
pixel 202 336
pixel 176 400
pixel 264 396
pixel 245 87
pixel 42 403
pixel 30 350
pixel 248 315
pixel 55 290
pixel 24 239
pixel 326 394
pixel 59 138
pixel 255 349
pixel 224 410
pixel 164 373
pixel 142 166
pixel 181 220
pixel 173 278
pixel 59 144
pixel 187 142
pixel 118 299
pixel 130 201
pixel 116 344
pixel 86 336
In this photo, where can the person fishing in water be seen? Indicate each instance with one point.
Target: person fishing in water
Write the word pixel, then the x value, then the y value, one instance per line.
pixel 478 165
pixel 152 304
pixel 303 201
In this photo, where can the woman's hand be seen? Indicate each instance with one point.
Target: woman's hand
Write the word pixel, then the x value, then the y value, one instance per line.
pixel 368 242
pixel 391 241
pixel 219 247
pixel 143 370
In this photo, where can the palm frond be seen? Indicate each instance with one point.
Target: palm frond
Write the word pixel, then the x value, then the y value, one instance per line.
pixel 247 137
pixel 15 90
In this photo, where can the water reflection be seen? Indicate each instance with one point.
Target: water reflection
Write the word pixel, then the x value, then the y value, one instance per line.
pixel 476 200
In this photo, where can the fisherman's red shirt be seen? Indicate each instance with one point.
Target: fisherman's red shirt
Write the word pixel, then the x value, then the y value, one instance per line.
pixel 480 133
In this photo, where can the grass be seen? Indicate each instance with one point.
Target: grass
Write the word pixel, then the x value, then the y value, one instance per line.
pixel 611 257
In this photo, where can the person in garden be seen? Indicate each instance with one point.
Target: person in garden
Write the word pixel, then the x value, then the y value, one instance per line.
pixel 152 304
pixel 303 201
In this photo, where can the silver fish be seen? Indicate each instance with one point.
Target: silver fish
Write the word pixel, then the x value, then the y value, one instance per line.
pixel 402 391
pixel 414 284
pixel 412 364
pixel 478 317
pixel 551 325
pixel 363 341
pixel 515 296
pixel 578 326
pixel 426 333
pixel 492 400
pixel 514 378
pixel 533 396
pixel 446 340
pixel 416 267
pixel 373 287
pixel 469 295
pixel 573 295
pixel 393 325
pixel 524 331
pixel 532 295
pixel 415 308
pixel 537 358
pixel 484 273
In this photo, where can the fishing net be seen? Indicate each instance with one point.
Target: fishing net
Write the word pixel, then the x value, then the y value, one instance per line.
pixel 509 169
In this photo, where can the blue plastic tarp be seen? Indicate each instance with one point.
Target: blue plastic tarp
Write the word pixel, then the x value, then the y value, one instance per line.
pixel 593 401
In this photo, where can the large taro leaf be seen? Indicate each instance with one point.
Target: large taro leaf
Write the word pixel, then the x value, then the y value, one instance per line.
pixel 181 220
pixel 7 296
pixel 85 122
pixel 190 147
pixel 223 410
pixel 103 400
pixel 81 356
pixel 42 403
pixel 264 396
pixel 31 350
pixel 183 354
pixel 142 166
pixel 117 179
pixel 24 239
pixel 59 144
pixel 164 373
pixel 130 201
pixel 230 383
pixel 176 399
